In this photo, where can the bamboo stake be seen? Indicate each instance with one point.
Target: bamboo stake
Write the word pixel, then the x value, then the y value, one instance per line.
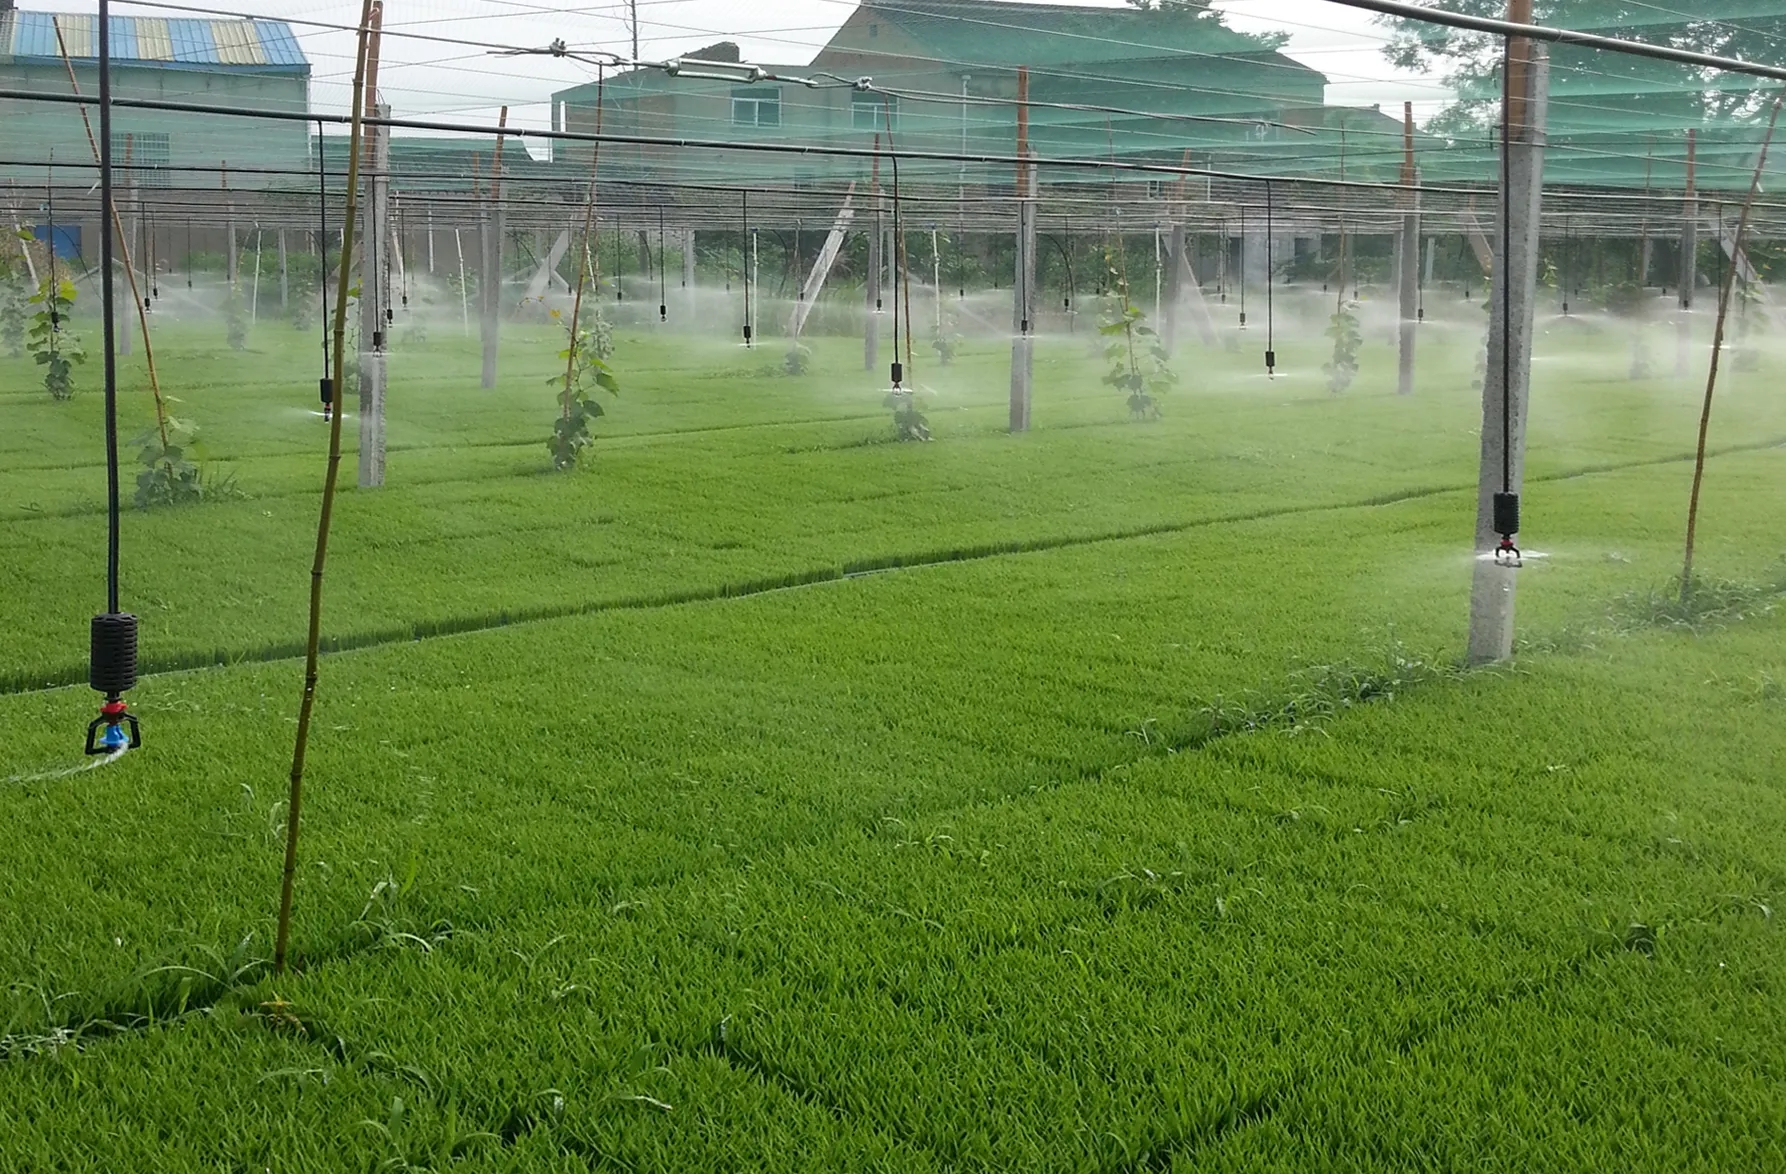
pixel 595 155
pixel 123 245
pixel 308 704
pixel 1726 288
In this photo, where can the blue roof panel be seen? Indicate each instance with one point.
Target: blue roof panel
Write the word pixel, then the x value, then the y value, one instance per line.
pixel 194 42
pixel 277 42
pixel 34 35
pixel 123 38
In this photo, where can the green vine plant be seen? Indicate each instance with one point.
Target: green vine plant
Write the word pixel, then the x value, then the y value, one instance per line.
pixel 55 347
pixel 1138 363
pixel 1347 337
pixel 235 318
pixel 798 360
pixel 15 312
pixel 908 421
pixel 1626 300
pixel 586 355
pixel 947 341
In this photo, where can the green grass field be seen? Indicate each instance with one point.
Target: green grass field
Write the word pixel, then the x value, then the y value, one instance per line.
pixel 771 796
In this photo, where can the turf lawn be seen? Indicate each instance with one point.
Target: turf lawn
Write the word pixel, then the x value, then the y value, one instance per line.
pixel 772 796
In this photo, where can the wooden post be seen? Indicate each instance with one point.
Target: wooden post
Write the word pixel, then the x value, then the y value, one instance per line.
pixel 1023 290
pixel 1689 268
pixel 490 279
pixel 1507 380
pixel 1408 280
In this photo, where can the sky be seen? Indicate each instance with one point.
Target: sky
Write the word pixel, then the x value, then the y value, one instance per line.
pixel 437 78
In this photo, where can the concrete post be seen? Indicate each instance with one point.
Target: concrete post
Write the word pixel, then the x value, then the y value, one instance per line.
pixel 1408 296
pixel 490 276
pixel 1507 381
pixel 1023 303
pixel 375 300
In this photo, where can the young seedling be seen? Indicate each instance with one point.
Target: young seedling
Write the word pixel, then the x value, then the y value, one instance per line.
pixel 586 358
pixel 1138 363
pixel 56 348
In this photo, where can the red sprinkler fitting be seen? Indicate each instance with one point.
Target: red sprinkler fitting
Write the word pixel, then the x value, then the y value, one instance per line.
pixel 106 733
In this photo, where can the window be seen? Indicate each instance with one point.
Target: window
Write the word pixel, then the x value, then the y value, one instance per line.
pixel 869 111
pixel 149 158
pixel 756 107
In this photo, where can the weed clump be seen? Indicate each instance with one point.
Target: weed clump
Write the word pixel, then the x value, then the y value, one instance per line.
pixel 1707 603
pixel 1319 693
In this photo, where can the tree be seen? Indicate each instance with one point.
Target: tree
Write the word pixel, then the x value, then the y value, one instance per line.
pixel 1614 92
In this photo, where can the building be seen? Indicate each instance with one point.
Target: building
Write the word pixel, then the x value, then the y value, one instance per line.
pixel 1123 83
pixel 244 65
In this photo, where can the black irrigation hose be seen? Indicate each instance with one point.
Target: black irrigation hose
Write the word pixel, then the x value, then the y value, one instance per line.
pixel 663 280
pixel 322 263
pixel 1270 321
pixel 1243 266
pixel 744 259
pixel 109 325
pixel 112 638
pixel 1505 505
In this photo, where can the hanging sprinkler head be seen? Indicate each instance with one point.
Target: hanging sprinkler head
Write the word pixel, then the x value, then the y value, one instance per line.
pixel 1506 523
pixel 327 388
pixel 898 374
pixel 1271 364
pixel 112 671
